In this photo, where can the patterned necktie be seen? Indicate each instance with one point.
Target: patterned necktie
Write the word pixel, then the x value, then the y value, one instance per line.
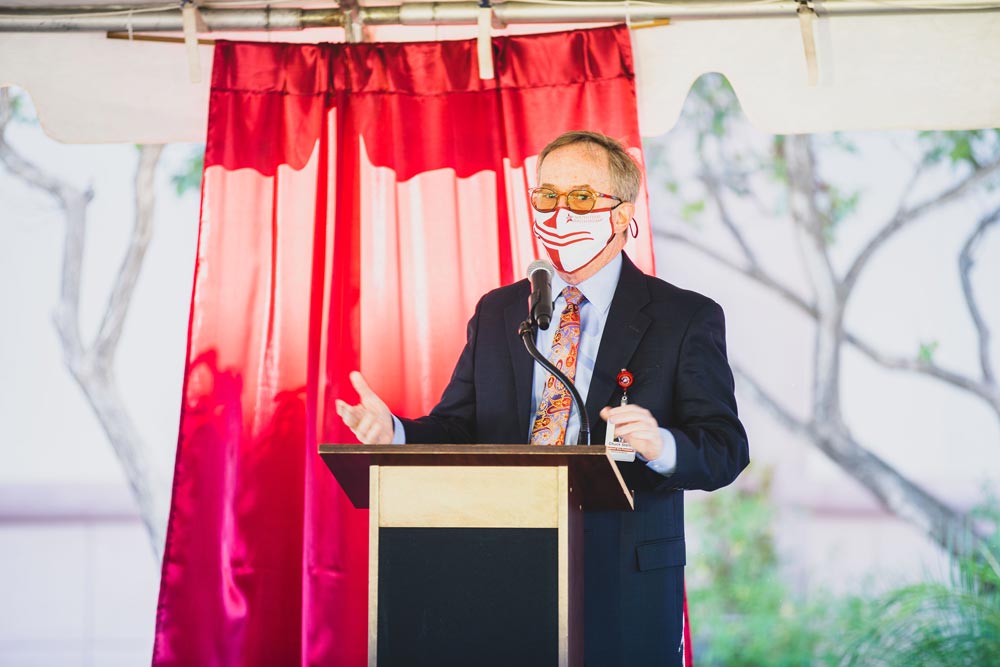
pixel 553 410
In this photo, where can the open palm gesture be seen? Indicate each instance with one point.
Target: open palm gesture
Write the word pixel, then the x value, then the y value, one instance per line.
pixel 369 420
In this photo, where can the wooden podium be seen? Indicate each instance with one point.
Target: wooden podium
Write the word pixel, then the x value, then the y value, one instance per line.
pixel 475 551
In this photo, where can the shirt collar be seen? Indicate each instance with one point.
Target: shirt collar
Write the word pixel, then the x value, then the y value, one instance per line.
pixel 598 288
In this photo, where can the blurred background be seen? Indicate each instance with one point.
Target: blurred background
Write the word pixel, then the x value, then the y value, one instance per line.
pixel 858 272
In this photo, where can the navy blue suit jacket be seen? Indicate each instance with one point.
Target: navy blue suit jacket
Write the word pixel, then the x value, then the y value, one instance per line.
pixel 673 342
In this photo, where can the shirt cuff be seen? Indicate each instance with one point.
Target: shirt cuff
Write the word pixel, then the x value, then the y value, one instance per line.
pixel 666 462
pixel 398 434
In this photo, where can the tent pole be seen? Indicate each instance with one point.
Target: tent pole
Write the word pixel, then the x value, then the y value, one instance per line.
pixel 142 19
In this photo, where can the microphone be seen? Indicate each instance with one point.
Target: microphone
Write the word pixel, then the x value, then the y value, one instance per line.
pixel 540 302
pixel 540 274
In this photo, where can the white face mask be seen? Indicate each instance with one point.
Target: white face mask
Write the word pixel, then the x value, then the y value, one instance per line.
pixel 573 240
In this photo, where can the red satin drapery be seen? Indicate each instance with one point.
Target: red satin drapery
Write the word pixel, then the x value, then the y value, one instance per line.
pixel 357 200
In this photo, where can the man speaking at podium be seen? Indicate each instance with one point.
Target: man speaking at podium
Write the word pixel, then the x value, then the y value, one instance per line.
pixel 680 418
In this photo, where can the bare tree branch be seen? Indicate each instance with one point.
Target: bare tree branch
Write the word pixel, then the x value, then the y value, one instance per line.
pixel 805 213
pixel 950 529
pixel 825 426
pixel 713 187
pixel 91 366
pixel 830 304
pixel 904 197
pixel 771 404
pixel 713 184
pixel 67 315
pixel 905 216
pixel 980 389
pixel 24 170
pixel 755 273
pixel 142 232
pixel 965 264
pixel 987 392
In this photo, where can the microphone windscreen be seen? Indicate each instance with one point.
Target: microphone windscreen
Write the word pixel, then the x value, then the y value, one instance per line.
pixel 541 264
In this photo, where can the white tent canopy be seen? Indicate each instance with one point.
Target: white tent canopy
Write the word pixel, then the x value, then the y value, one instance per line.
pixel 877 71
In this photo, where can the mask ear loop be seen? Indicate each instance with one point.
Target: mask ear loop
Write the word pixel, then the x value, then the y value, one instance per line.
pixel 633 227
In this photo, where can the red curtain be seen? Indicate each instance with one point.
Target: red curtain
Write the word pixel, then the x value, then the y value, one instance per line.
pixel 357 200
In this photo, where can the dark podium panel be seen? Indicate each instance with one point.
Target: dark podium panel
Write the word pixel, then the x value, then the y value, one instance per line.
pixel 475 551
pixel 445 593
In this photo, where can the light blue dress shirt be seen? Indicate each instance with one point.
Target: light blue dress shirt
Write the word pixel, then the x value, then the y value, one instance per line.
pixel 599 290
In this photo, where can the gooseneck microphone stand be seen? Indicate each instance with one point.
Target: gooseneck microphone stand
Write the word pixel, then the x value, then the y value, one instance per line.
pixel 527 332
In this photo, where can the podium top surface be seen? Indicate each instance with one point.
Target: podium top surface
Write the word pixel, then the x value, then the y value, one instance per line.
pixel 470 450
pixel 604 488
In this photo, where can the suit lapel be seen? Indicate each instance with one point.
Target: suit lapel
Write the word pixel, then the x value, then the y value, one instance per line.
pixel 624 329
pixel 514 314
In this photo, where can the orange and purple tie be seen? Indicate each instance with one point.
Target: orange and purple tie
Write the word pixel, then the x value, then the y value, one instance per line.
pixel 552 415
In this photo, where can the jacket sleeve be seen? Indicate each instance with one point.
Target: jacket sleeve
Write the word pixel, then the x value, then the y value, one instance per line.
pixel 712 446
pixel 453 419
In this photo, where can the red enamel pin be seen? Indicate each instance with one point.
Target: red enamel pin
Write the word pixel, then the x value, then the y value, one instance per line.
pixel 625 379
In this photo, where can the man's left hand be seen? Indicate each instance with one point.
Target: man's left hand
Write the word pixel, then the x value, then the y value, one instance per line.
pixel 638 427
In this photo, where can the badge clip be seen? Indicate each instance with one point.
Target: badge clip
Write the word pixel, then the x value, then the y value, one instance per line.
pixel 616 446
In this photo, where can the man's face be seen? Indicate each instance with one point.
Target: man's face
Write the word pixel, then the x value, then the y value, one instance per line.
pixel 584 166
pixel 577 166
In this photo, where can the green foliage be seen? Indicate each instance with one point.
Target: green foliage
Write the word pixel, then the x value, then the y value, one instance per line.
pixel 744 615
pixel 841 204
pixel 939 624
pixel 692 209
pixel 189 176
pixel 926 352
pixel 962 147
pixel 19 106
pixel 835 206
pixel 16 101
pixel 716 106
pixel 731 158
pixel 747 616
pixel 844 142
pixel 778 167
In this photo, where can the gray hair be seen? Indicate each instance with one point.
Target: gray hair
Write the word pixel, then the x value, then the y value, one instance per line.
pixel 625 174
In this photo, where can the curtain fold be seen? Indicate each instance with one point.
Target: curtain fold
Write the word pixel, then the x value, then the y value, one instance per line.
pixel 357 200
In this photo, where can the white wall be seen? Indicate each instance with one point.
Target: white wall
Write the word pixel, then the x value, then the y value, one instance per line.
pixel 76 590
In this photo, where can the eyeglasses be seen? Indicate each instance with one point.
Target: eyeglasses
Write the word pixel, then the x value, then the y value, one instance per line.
pixel 546 200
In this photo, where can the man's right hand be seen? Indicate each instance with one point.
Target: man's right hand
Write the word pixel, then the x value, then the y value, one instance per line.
pixel 370 420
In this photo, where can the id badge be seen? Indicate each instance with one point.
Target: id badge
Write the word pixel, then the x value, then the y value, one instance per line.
pixel 617 447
